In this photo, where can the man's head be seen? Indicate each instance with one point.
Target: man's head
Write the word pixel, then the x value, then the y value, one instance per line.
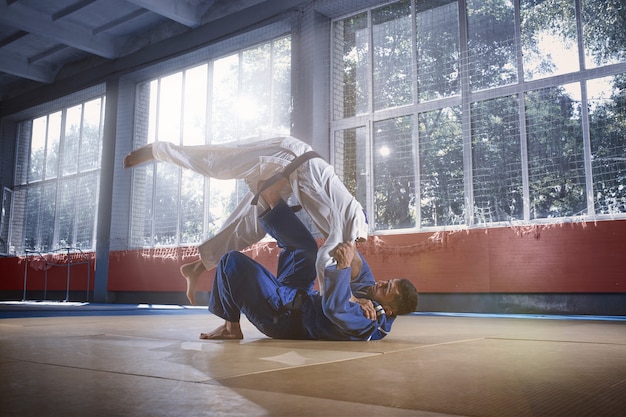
pixel 397 296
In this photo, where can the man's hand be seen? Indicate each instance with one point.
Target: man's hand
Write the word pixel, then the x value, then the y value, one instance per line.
pixel 366 305
pixel 343 254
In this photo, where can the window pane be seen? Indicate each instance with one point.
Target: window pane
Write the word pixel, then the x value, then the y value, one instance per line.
pixel 607 126
pixel 192 207
pixel 491 43
pixel 351 67
pixel 142 206
pixel 496 160
pixel 549 40
pixel 5 218
pixel 71 140
pixel 67 213
pixel 47 215
pixel 437 49
pixel 351 161
pixel 87 209
pixel 392 49
pixel 91 143
pixel 170 102
pixel 281 89
pixel 224 100
pixel 48 211
pixel 31 223
pixel 52 145
pixel 166 205
pixel 195 97
pixel 37 149
pixel 604 32
pixel 394 174
pixel 442 198
pixel 23 150
pixel 222 202
pixel 254 98
pixel 555 152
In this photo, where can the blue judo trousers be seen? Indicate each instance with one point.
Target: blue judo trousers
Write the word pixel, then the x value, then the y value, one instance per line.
pixel 285 306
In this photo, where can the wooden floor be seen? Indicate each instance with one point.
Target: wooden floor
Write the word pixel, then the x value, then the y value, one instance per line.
pixel 86 360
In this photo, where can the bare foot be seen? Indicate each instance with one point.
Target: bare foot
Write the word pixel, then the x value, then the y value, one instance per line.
pixel 228 331
pixel 138 156
pixel 192 272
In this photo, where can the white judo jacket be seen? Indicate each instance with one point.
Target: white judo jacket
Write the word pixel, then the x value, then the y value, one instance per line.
pixel 336 213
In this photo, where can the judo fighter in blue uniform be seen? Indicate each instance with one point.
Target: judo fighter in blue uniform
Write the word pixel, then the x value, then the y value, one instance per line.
pixel 286 306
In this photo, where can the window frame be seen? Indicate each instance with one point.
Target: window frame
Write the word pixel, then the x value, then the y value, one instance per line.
pixel 23 183
pixel 465 98
pixel 237 45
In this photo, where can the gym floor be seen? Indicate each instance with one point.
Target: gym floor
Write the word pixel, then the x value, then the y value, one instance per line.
pixel 83 359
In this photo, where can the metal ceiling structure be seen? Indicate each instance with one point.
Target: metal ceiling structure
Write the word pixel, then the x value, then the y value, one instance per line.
pixel 44 42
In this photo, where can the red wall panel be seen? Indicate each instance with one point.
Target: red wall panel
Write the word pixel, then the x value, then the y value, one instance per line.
pixel 569 258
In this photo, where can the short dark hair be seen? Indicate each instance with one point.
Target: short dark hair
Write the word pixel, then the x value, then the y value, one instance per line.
pixel 407 300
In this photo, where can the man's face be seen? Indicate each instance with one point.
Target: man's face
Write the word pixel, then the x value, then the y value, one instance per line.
pixel 385 292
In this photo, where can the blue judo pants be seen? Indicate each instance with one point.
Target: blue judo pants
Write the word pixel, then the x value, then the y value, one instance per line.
pixel 242 285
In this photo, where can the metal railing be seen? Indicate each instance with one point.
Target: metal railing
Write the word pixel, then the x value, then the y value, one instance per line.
pixel 79 256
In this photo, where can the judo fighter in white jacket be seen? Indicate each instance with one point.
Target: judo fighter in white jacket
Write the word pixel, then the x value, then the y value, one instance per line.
pixel 335 212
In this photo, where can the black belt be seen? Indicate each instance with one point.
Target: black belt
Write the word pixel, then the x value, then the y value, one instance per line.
pixel 294 307
pixel 292 166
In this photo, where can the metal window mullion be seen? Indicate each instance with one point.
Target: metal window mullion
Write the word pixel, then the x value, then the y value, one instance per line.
pixel 579 35
pixel 334 84
pixel 415 86
pixel 416 175
pixel 208 139
pixel 369 154
pixel 45 150
pixel 520 87
pixel 55 227
pixel 271 83
pixel 41 185
pixel 466 127
pixel 524 155
pixel 518 42
pixel 369 178
pixel 94 235
pixel 239 91
pixel 416 139
pixel 591 209
pixel 370 62
pixel 155 167
pixel 78 171
pixel 181 133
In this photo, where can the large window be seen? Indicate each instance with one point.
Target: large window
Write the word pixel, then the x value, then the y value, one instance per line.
pixel 55 198
pixel 222 100
pixel 478 113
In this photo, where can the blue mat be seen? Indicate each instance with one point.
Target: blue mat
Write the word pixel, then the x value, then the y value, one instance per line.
pixel 526 316
pixel 24 309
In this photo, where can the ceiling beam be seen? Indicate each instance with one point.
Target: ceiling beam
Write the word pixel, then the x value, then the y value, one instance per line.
pixel 71 9
pixel 12 38
pixel 31 20
pixel 20 67
pixel 123 19
pixel 186 12
pixel 168 48
pixel 46 53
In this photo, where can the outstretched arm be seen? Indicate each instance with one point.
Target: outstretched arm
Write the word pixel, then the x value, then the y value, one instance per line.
pixel 139 156
pixel 346 256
